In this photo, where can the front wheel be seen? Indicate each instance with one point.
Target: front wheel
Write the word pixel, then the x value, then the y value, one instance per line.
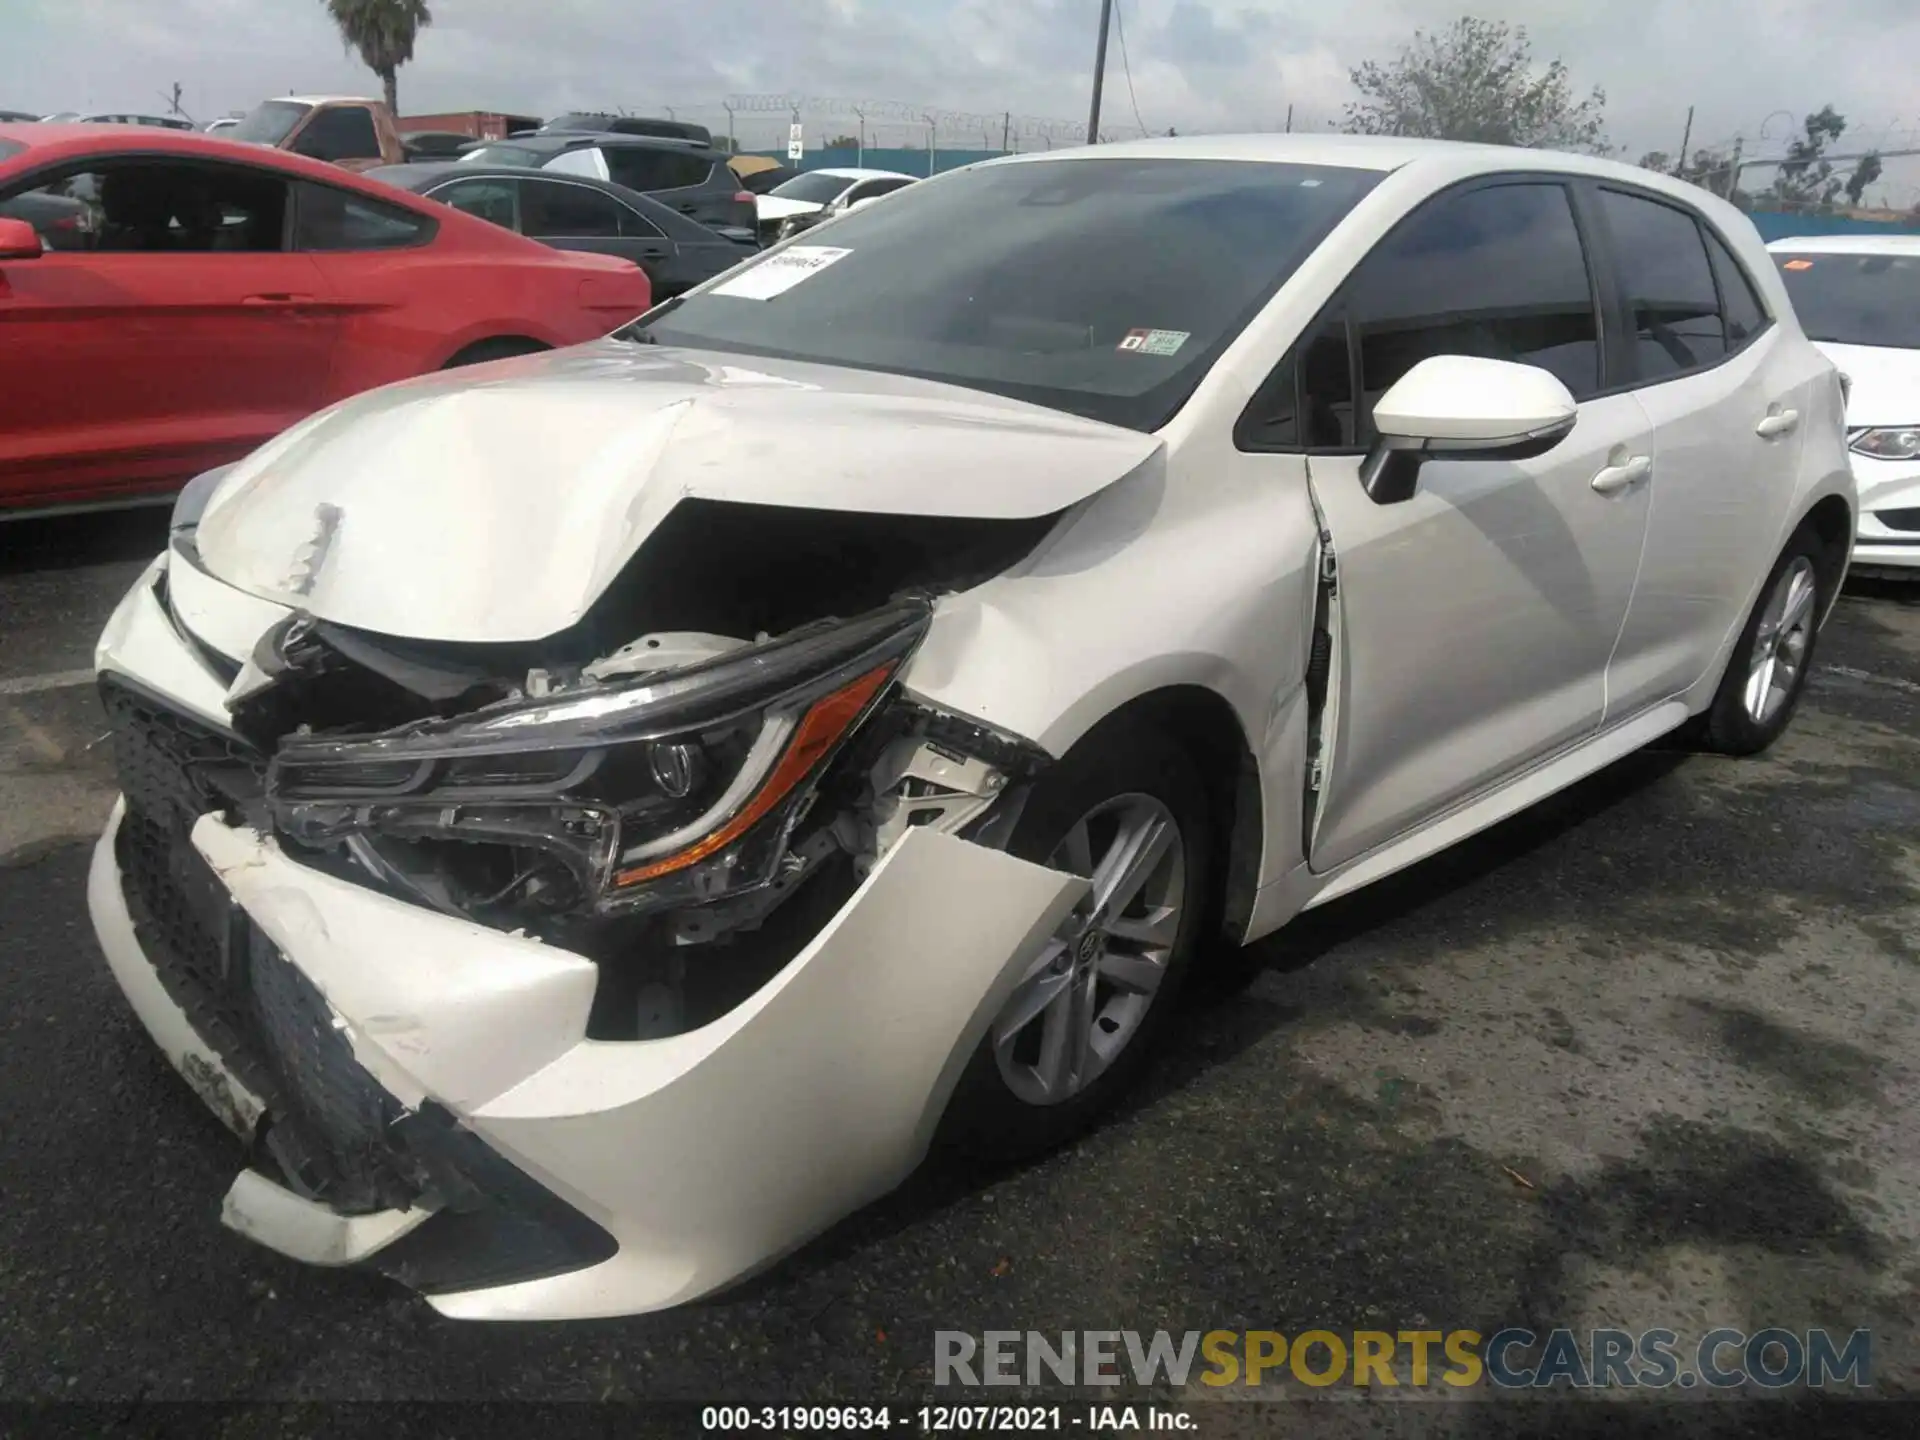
pixel 1126 810
pixel 1767 671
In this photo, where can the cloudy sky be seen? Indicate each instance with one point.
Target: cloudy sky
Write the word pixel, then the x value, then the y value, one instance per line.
pixel 1196 64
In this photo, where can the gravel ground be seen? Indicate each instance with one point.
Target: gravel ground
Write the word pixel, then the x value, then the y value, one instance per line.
pixel 1647 1055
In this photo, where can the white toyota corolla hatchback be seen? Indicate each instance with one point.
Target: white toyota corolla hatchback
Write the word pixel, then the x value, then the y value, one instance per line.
pixel 593 820
pixel 1859 298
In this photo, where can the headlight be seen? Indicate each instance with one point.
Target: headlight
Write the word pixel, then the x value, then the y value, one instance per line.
pixel 664 789
pixel 1894 442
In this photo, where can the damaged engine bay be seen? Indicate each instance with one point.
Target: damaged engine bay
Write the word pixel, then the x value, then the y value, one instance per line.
pixel 683 787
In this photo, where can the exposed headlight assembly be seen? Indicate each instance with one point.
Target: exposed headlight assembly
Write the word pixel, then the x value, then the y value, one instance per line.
pixel 1892 442
pixel 667 789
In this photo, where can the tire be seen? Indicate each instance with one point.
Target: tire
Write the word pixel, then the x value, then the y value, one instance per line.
pixel 1735 723
pixel 1133 771
pixel 501 348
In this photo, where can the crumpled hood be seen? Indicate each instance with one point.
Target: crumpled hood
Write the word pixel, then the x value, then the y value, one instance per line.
pixel 496 503
pixel 1886 382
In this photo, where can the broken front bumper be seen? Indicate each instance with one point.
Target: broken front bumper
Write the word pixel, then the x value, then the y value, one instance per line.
pixel 428 1083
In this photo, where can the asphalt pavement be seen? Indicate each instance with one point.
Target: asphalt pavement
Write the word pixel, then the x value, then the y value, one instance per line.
pixel 1647 1055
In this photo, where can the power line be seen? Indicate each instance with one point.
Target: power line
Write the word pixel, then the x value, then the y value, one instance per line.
pixel 1126 66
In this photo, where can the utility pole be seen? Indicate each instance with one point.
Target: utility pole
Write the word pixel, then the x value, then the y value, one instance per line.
pixel 1099 72
pixel 1289 119
pixel 1006 131
pixel 1686 138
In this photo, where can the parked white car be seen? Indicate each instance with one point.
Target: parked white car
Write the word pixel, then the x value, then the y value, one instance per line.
pixel 593 820
pixel 817 192
pixel 1858 297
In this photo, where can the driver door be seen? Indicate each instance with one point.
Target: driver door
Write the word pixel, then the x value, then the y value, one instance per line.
pixel 1468 627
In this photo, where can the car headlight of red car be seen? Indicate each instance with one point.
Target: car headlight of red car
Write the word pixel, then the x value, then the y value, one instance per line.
pixel 668 788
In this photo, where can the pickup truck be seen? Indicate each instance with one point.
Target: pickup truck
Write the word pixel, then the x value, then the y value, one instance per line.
pixel 349 131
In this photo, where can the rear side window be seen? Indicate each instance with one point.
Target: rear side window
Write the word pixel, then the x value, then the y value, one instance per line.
pixel 552 210
pixel 330 219
pixel 638 168
pixel 1740 304
pixel 1674 310
pixel 345 133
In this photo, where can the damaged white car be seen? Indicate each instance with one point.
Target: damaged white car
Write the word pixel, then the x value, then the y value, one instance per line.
pixel 591 821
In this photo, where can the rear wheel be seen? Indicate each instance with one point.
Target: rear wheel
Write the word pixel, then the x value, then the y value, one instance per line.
pixel 1767 672
pixel 1127 811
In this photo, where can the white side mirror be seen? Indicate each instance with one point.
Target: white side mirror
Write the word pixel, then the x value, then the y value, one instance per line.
pixel 1462 407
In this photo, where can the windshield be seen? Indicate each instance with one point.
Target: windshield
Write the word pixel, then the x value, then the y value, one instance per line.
pixel 1856 299
pixel 1101 287
pixel 270 123
pixel 503 155
pixel 813 188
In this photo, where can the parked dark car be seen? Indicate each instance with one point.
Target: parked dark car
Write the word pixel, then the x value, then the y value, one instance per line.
pixel 426 145
pixel 604 124
pixel 17 117
pixel 577 212
pixel 692 179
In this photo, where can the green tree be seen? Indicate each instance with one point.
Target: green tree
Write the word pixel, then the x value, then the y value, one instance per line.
pixel 1806 179
pixel 1476 80
pixel 1864 174
pixel 843 142
pixel 383 31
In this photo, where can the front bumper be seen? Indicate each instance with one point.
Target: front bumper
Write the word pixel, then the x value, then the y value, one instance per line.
pixel 428 1083
pixel 1888 535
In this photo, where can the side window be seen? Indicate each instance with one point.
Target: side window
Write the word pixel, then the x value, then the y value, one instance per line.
pixel 1496 272
pixel 1746 317
pixel 155 207
pixel 1674 310
pixel 552 209
pixel 343 133
pixel 643 168
pixel 330 219
pixel 492 200
pixel 883 187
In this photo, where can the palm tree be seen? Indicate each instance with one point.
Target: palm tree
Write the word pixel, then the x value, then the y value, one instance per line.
pixel 383 32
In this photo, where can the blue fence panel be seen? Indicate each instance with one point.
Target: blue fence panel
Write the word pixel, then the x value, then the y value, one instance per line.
pixel 1773 225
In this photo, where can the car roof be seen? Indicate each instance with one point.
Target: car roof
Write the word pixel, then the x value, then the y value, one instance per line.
pixel 1854 244
pixel 849 172
pixel 1383 153
pixel 321 99
pixel 419 175
pixel 586 139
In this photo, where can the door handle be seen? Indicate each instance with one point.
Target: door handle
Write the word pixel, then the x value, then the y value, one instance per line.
pixel 1778 422
pixel 1615 478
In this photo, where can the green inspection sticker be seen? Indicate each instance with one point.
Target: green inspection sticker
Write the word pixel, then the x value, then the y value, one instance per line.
pixel 1155 342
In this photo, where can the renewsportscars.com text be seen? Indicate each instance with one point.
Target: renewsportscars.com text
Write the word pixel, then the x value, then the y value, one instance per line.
pixel 1507 1359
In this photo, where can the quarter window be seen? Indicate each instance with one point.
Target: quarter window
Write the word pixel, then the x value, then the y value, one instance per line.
pixel 331 219
pixel 1739 304
pixel 1673 309
pixel 644 168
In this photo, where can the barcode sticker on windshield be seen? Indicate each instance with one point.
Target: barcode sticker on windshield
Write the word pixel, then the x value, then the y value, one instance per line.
pixel 778 274
pixel 1155 342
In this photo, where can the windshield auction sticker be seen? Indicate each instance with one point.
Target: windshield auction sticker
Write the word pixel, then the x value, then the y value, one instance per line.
pixel 1154 342
pixel 778 274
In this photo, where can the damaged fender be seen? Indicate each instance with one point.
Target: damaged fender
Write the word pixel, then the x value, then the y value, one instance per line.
pixel 711 1154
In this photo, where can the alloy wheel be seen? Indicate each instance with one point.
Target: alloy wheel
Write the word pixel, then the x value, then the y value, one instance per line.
pixel 1084 998
pixel 1781 641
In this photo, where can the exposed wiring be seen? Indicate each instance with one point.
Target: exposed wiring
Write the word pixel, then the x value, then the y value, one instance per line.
pixel 1126 66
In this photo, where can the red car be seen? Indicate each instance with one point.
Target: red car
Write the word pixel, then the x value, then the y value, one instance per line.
pixel 169 301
